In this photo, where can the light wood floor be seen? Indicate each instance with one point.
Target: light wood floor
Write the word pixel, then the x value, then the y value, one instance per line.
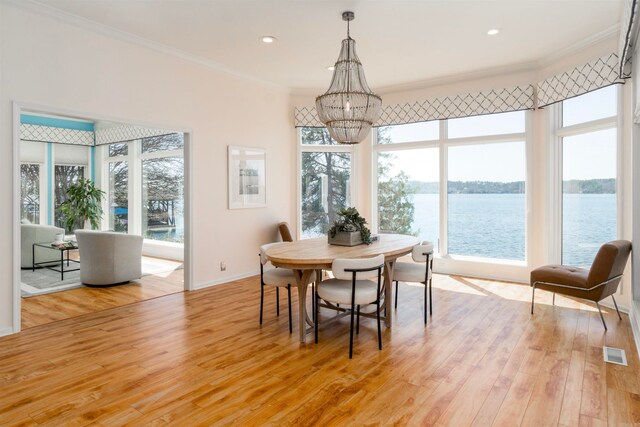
pixel 49 308
pixel 201 358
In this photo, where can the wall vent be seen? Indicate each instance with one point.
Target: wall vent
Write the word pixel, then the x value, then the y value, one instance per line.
pixel 615 355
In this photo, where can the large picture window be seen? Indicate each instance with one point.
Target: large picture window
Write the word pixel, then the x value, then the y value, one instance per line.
pixel 469 172
pixel 589 172
pixel 486 200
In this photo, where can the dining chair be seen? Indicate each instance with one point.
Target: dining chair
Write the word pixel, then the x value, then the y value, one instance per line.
pixel 285 232
pixel 351 287
pixel 594 284
pixel 277 277
pixel 416 272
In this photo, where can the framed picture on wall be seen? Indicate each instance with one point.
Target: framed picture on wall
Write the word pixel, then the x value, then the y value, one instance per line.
pixel 247 177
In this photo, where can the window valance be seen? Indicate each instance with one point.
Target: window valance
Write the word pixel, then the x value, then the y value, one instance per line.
pixel 125 133
pixel 588 77
pixel 464 105
pixel 39 133
pixel 628 34
pixel 101 136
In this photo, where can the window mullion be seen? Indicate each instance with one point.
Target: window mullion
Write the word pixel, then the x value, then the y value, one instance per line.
pixel 444 174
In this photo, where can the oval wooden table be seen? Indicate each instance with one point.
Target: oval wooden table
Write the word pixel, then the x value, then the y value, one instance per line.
pixel 305 257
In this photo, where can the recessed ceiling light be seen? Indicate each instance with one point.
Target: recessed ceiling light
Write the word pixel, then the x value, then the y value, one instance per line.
pixel 493 31
pixel 268 39
pixel 331 68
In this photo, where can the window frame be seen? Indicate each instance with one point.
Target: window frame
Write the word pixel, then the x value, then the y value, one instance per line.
pixel 443 143
pixel 557 133
pixel 311 148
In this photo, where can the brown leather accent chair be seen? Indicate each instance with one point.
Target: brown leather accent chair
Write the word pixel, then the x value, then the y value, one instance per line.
pixel 285 232
pixel 595 284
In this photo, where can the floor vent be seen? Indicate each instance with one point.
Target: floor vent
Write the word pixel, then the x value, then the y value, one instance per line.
pixel 615 355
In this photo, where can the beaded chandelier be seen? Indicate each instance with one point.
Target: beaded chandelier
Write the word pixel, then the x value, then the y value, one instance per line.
pixel 349 108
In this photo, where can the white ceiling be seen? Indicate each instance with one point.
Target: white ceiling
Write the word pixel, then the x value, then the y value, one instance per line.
pixel 398 42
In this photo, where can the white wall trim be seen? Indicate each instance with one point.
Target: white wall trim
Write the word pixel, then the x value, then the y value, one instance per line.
pixel 634 318
pixel 227 279
pixel 6 331
pixel 96 27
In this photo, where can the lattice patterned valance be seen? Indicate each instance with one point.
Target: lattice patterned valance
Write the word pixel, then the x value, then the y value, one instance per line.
pixel 40 133
pixel 124 133
pixel 464 105
pixel 588 77
pixel 628 34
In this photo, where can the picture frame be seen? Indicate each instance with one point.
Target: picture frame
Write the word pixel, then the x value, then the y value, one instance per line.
pixel 247 176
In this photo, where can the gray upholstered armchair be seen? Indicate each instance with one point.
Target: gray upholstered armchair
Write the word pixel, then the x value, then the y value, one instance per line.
pixel 108 258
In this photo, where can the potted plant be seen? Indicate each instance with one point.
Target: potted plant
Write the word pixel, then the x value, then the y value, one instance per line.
pixel 83 205
pixel 349 229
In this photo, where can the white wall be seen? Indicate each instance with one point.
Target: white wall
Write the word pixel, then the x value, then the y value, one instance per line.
pixel 59 64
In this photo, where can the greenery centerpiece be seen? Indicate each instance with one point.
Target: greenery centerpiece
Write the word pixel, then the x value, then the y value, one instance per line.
pixel 349 222
pixel 83 205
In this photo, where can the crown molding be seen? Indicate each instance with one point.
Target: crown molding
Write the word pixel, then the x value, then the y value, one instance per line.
pixel 105 30
pixel 584 44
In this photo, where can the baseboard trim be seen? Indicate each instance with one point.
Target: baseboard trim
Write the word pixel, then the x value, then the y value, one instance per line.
pixel 634 318
pixel 6 331
pixel 227 279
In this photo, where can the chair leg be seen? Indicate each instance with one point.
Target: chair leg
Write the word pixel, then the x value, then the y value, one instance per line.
pixel 313 301
pixel 261 300
pixel 351 334
pixel 601 316
pixel 378 319
pixel 554 299
pixel 278 301
pixel 358 321
pixel 533 294
pixel 430 297
pixel 396 304
pixel 315 313
pixel 289 295
pixel 425 304
pixel 616 304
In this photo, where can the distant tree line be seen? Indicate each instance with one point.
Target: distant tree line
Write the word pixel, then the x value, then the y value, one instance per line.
pixel 574 186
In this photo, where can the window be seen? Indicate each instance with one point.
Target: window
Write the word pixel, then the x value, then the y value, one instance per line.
pixel 408 192
pixel 589 175
pixel 146 187
pixel 486 200
pixel 30 192
pixel 490 124
pixel 64 177
pixel 119 196
pixel 325 181
pixel 163 199
pixel 477 163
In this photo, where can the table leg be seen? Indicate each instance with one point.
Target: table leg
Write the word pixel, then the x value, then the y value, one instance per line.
pixel 302 278
pixel 33 257
pixel 388 280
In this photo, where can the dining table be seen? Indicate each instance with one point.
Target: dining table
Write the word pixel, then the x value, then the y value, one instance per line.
pixel 312 256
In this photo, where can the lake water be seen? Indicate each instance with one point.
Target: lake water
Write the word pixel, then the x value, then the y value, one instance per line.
pixel 493 225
